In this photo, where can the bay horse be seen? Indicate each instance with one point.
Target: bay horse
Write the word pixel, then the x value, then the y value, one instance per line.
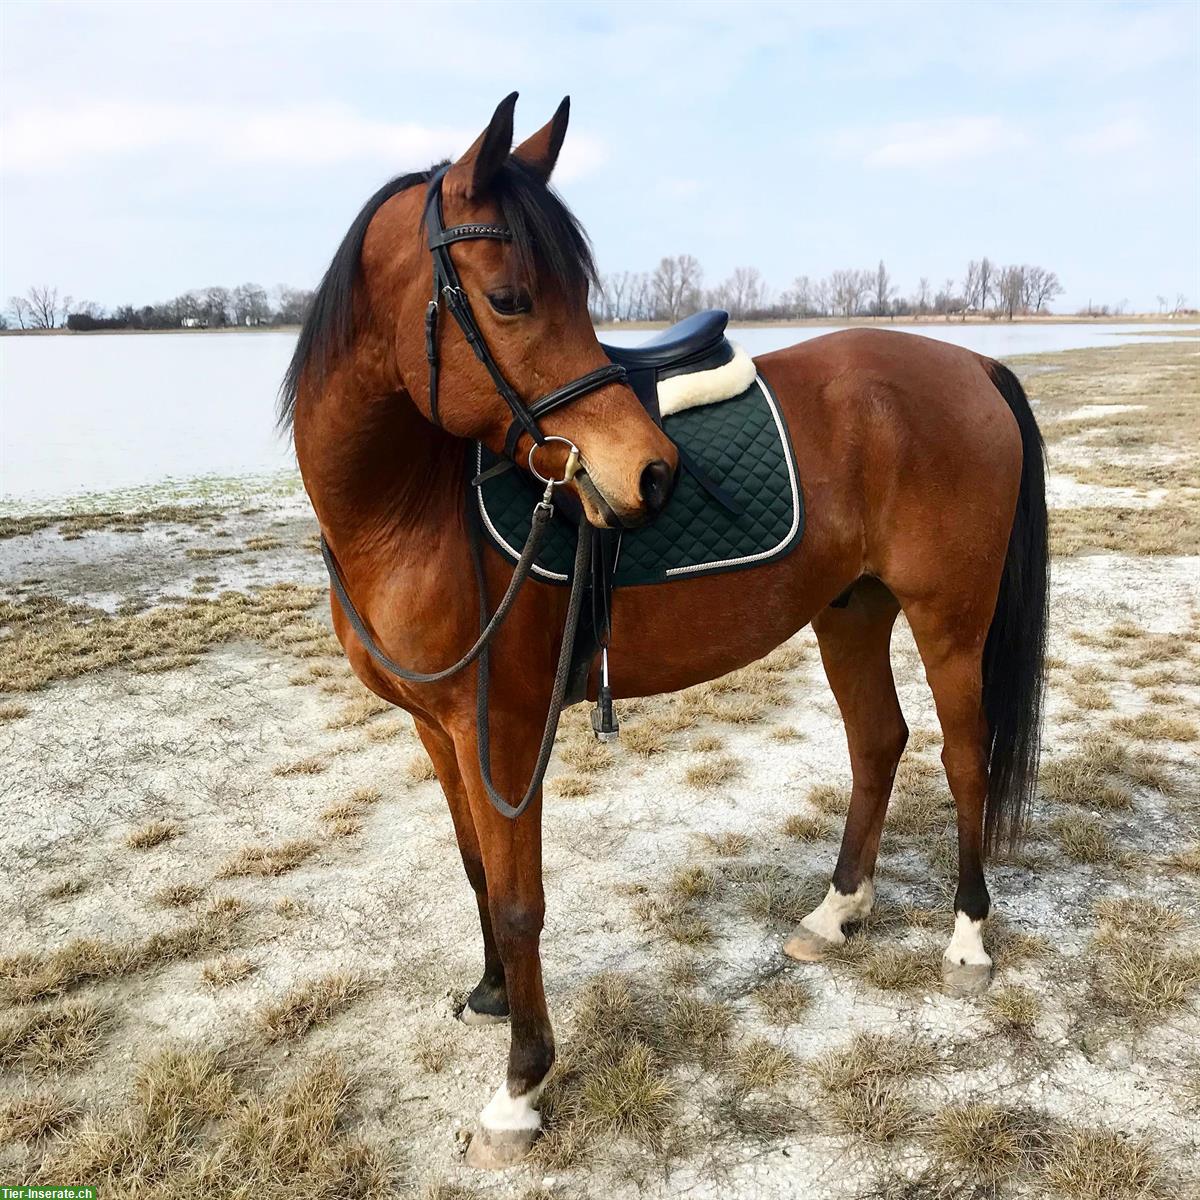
pixel 923 483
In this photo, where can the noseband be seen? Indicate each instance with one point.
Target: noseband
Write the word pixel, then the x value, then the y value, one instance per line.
pixel 448 291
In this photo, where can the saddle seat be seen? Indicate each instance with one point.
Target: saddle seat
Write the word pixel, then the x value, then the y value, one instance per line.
pixel 690 363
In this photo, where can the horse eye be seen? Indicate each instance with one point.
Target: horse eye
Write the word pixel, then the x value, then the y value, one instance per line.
pixel 510 301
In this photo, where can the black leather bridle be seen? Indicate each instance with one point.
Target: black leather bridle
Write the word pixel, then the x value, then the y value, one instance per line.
pixel 448 291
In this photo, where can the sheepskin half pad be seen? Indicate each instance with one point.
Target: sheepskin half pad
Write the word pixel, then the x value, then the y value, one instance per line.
pixel 740 443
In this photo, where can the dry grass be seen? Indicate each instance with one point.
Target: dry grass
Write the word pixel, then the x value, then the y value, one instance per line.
pixel 153 834
pixel 758 1065
pixel 777 899
pixel 646 738
pixel 784 1001
pixel 874 1057
pixel 269 860
pixel 901 969
pixel 70 886
pixel 878 1113
pixel 1138 915
pixel 178 895
pixel 73 525
pixel 1099 1164
pixel 35 1115
pixel 226 970
pixel 28 977
pixel 1089 697
pixel 1154 726
pixel 1085 839
pixel 310 1003
pixel 50 640
pixel 358 712
pixel 385 731
pixel 693 883
pixel 713 772
pixel 587 756
pixel 53 1037
pixel 1137 978
pixel 572 786
pixel 786 734
pixel 432 1048
pixel 1014 1010
pixel 13 711
pixel 419 768
pixel 805 828
pixel 675 919
pixel 189 1130
pixel 1161 529
pixel 1186 860
pixel 827 798
pixel 312 765
pixel 708 743
pixel 990 1142
pixel 729 844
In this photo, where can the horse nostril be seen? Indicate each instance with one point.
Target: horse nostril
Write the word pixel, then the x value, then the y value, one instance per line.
pixel 657 479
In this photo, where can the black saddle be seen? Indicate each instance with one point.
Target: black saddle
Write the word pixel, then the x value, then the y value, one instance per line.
pixel 697 343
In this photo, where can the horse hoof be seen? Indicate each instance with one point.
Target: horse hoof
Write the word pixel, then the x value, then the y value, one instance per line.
pixel 966 979
pixel 806 946
pixel 499 1149
pixel 469 1016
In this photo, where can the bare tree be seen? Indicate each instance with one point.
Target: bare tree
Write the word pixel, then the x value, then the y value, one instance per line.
pixel 987 282
pixel 18 306
pixel 881 290
pixel 847 289
pixel 1041 286
pixel 1180 304
pixel 44 307
pixel 922 297
pixel 250 306
pixel 1010 289
pixel 676 287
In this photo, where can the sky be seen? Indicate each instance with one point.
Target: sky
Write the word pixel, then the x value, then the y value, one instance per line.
pixel 146 149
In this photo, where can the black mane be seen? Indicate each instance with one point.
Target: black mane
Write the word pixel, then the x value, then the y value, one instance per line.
pixel 548 243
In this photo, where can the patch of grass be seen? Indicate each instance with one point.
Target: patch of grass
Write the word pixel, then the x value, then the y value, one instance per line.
pixel 734 710
pixel 674 919
pixel 712 772
pixel 873 1057
pixel 153 834
pixel 52 1037
pixel 28 977
pixel 358 712
pixel 51 640
pixel 629 1096
pixel 35 1115
pixel 1014 1010
pixel 877 1113
pixel 786 734
pixel 312 1002
pixel 645 739
pixel 1085 840
pixel 1091 697
pixel 226 970
pixel 1186 860
pixel 805 828
pixel 990 1142
pixel 1100 1164
pixel 1084 778
pixel 178 895
pixel 573 786
pixel 758 1064
pixel 263 542
pixel 385 731
pixel 1138 915
pixel 313 765
pixel 13 711
pixel 290 907
pixel 189 1130
pixel 70 886
pixel 1160 529
pixel 431 1048
pixel 784 1001
pixel 72 525
pixel 901 969
pixel 269 860
pixel 1152 726
pixel 587 756
pixel 1139 979
pixel 729 844
pixel 708 743
pixel 827 798
pixel 693 883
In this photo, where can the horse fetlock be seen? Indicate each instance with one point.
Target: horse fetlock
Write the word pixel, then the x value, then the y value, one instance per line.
pixel 966 943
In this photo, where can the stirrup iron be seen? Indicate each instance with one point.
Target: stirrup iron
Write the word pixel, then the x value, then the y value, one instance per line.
pixel 605 725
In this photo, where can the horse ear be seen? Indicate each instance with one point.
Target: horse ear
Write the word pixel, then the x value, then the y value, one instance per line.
pixel 540 152
pixel 471 174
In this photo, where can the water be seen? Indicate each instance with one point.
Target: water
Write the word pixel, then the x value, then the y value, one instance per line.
pixel 112 411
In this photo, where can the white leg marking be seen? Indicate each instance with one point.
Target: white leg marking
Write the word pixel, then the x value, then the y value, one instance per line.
pixel 512 1112
pixel 836 910
pixel 966 944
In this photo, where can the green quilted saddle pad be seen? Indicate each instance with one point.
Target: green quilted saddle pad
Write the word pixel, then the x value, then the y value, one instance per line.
pixel 741 443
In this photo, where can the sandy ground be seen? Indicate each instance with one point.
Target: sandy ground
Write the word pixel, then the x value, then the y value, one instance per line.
pixel 211 747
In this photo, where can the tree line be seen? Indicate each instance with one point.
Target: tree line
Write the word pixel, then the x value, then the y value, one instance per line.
pixel 247 305
pixel 675 288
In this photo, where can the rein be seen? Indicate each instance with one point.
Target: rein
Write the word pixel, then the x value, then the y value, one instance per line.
pixel 448 290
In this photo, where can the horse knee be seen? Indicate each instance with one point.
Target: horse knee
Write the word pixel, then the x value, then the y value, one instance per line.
pixel 517 925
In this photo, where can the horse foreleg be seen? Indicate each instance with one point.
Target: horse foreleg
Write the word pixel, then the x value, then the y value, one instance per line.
pixel 511 851
pixel 854 644
pixel 488 1002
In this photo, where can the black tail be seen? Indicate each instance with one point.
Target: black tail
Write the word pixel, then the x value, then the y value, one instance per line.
pixel 1014 656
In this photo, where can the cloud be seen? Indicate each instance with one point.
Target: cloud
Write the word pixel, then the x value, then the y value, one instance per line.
pixel 935 143
pixel 46 140
pixel 1114 137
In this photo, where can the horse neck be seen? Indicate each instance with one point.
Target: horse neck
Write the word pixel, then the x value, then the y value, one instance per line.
pixel 376 470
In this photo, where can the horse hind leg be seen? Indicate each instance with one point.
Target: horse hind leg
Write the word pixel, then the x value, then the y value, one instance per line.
pixel 951 648
pixel 855 646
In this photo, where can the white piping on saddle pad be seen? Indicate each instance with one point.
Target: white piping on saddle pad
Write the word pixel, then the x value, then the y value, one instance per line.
pixel 706 387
